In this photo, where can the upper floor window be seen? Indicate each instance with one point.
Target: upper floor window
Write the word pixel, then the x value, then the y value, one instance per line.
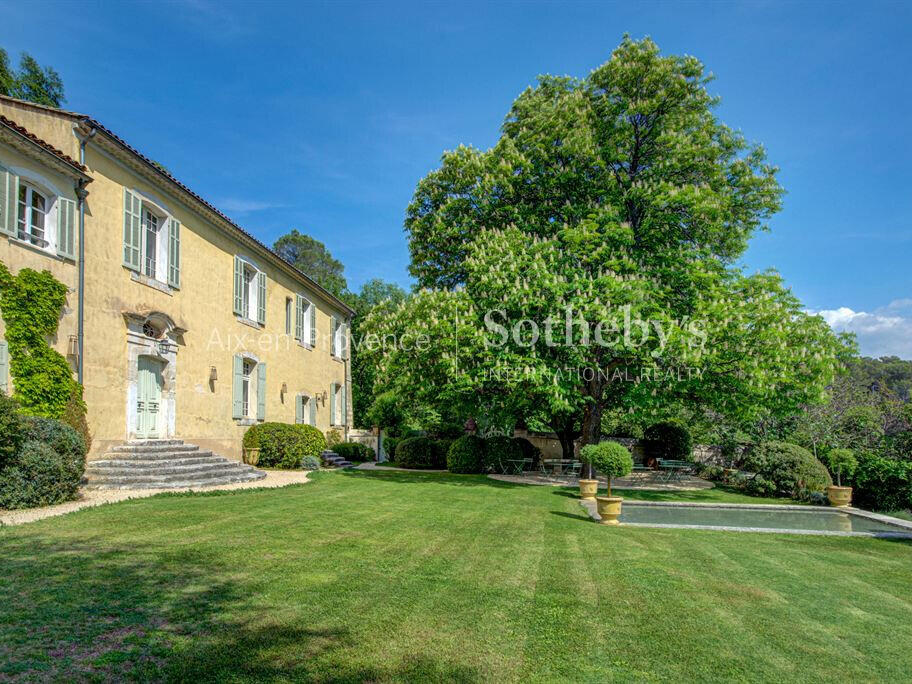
pixel 33 209
pixel 337 342
pixel 151 240
pixel 249 291
pixel 306 322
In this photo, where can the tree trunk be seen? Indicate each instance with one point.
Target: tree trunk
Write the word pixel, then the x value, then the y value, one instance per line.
pixel 566 435
pixel 592 428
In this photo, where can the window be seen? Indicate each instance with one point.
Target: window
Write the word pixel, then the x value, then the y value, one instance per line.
pixel 288 305
pixel 305 322
pixel 249 388
pixel 249 291
pixel 245 387
pixel 151 240
pixel 305 410
pixel 33 209
pixel 34 212
pixel 338 338
pixel 150 223
pixel 338 411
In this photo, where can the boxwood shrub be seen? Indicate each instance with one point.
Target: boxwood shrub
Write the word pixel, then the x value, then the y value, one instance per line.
pixel 416 452
pixel 792 470
pixel 283 445
pixel 882 484
pixel 441 449
pixel 48 467
pixel 466 455
pixel 499 450
pixel 667 440
pixel 12 432
pixel 389 447
pixel 356 452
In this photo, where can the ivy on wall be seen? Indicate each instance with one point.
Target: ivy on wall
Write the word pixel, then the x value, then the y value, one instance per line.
pixel 30 303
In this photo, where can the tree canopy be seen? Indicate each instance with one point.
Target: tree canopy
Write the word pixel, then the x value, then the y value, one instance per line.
pixel 32 82
pixel 586 261
pixel 311 256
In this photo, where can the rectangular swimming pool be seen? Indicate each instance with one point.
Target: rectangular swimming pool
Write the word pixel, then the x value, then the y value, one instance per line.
pixel 764 518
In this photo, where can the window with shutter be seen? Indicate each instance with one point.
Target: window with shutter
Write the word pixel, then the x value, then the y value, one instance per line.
pixel 312 404
pixel 261 298
pixel 332 404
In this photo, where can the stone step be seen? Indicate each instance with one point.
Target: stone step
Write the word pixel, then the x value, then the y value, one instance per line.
pixel 140 463
pixel 142 456
pixel 156 447
pixel 174 475
pixel 164 464
pixel 164 469
pixel 117 483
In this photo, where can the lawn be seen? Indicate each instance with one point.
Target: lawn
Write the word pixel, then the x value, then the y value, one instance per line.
pixel 402 576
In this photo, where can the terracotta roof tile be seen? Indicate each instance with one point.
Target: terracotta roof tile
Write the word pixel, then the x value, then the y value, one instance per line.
pixel 41 143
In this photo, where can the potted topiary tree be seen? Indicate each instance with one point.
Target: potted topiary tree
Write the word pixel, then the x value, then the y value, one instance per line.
pixel 840 462
pixel 611 460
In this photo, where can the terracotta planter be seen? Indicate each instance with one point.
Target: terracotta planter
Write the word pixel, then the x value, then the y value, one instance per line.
pixel 588 488
pixel 251 456
pixel 609 509
pixel 839 496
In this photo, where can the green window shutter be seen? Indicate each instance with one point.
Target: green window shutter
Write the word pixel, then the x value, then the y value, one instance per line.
pixel 9 198
pixel 66 227
pixel 261 391
pixel 312 404
pixel 344 400
pixel 239 287
pixel 299 409
pixel 332 404
pixel 4 366
pixel 332 336
pixel 313 325
pixel 174 253
pixel 237 403
pixel 261 298
pixel 299 318
pixel 132 230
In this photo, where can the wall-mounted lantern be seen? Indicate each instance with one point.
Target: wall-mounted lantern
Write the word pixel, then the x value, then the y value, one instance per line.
pixel 213 374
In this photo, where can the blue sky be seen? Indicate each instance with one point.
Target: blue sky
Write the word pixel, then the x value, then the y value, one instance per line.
pixel 323 116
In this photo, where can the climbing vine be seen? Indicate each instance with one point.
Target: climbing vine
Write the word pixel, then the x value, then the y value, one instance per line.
pixel 30 303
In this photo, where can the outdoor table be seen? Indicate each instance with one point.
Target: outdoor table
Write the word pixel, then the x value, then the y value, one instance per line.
pixel 557 464
pixel 517 465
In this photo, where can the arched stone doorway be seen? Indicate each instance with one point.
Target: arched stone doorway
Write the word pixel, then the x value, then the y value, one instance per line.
pixel 153 341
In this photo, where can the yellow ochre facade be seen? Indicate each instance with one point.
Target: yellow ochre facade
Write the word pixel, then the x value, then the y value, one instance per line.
pixel 192 329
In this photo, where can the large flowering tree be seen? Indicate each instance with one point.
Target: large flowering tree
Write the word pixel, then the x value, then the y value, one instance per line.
pixel 586 261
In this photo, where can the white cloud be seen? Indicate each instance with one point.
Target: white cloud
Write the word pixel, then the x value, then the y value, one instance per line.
pixel 886 331
pixel 242 206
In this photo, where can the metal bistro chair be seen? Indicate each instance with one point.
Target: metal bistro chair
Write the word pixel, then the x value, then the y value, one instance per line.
pixel 573 471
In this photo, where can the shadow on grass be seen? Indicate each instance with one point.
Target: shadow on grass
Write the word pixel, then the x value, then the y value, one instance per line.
pixel 401 476
pixel 90 610
pixel 574 516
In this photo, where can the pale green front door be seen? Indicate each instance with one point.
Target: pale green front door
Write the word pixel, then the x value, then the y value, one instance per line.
pixel 148 398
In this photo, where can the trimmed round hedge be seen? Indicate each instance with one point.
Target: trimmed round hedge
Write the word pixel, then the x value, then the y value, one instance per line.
pixel 12 429
pixel 499 450
pixel 466 455
pixel 416 452
pixel 608 458
pixel 667 440
pixel 792 470
pixel 48 467
pixel 283 445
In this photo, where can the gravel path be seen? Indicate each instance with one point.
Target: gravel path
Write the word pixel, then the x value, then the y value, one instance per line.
pixel 97 497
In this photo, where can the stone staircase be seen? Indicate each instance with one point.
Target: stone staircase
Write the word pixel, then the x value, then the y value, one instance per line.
pixel 164 464
pixel 332 460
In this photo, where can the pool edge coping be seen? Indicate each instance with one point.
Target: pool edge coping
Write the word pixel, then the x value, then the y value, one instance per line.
pixel 590 506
